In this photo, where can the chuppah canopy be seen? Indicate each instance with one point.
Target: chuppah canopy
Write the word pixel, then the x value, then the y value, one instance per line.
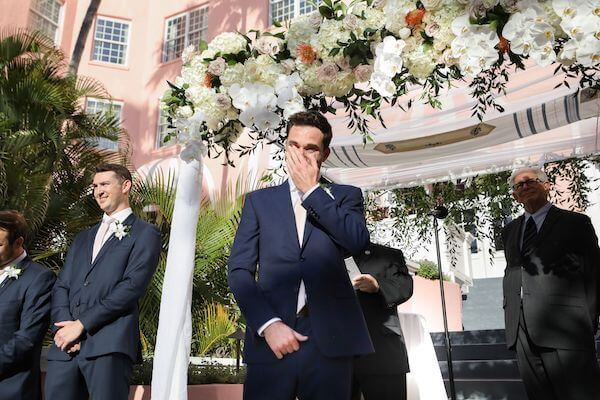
pixel 540 123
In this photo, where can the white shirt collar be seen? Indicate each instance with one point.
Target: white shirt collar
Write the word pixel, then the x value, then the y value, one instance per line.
pixel 120 216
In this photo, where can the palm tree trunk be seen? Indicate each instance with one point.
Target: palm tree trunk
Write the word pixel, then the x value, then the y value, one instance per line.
pixel 82 37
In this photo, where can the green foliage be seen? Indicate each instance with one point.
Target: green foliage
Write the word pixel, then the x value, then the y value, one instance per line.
pixel 480 205
pixel 213 325
pixel 197 375
pixel 46 152
pixel 428 270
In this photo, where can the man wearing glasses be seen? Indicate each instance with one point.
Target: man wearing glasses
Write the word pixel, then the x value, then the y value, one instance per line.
pixel 551 294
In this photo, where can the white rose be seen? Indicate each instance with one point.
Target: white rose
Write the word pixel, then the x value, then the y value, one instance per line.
pixel 269 45
pixel 327 72
pixel 217 66
pixel 404 33
pixel 351 22
pixel 432 29
pixel 431 5
pixel 184 112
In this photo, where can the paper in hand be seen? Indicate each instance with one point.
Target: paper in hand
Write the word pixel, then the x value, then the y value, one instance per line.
pixel 352 268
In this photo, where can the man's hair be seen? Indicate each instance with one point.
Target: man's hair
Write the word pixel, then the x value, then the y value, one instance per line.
pixel 15 224
pixel 541 175
pixel 122 172
pixel 314 119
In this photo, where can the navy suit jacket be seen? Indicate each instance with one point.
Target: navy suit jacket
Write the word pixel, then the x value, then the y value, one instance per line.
pixel 24 318
pixel 104 294
pixel 267 263
pixel 560 280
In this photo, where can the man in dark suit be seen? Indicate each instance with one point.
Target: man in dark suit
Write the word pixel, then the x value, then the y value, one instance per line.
pixel 551 294
pixel 95 299
pixel 383 285
pixel 25 288
pixel 287 272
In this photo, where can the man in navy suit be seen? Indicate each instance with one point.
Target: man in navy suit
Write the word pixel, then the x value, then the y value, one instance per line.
pixel 95 311
pixel 25 289
pixel 287 272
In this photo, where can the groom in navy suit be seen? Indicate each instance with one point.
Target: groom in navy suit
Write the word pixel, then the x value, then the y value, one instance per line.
pixel 95 312
pixel 25 288
pixel 287 272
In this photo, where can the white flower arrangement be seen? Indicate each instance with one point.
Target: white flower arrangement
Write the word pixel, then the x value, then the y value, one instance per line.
pixel 119 229
pixel 13 272
pixel 364 54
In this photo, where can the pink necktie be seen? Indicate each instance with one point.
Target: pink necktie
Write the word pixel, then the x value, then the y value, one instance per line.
pixel 300 215
pixel 101 236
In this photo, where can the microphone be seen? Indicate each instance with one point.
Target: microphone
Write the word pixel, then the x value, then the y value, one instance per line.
pixel 440 212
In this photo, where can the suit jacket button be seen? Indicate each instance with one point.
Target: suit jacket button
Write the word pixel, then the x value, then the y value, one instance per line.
pixel 86 283
pixel 301 258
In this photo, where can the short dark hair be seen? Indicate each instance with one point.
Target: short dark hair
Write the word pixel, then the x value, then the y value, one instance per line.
pixel 315 119
pixel 15 224
pixel 122 172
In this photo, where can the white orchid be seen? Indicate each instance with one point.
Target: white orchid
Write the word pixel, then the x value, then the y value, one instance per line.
pixel 474 46
pixel 13 272
pixel 388 56
pixel 383 84
pixel 119 229
pixel 252 95
pixel 530 35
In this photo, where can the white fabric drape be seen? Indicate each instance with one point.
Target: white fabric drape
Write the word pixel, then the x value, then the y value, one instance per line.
pixel 173 341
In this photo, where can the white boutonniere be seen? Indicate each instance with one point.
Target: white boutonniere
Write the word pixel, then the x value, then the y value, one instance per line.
pixel 327 188
pixel 119 229
pixel 13 272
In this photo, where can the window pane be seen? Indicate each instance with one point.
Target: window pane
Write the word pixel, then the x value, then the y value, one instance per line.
pixel 161 130
pixel 94 106
pixel 196 22
pixel 306 7
pixel 282 10
pixel 110 41
pixel 44 16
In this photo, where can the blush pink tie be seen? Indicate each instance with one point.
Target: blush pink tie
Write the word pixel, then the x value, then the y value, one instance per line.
pixel 300 216
pixel 101 236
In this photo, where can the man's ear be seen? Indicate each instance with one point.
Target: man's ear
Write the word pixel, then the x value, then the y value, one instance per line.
pixel 126 186
pixel 19 242
pixel 326 153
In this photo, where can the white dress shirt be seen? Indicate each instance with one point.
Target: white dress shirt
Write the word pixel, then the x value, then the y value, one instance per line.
pixel 120 216
pixel 13 262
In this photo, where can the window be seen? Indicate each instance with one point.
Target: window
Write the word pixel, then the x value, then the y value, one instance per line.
pixel 184 30
pixel 282 10
pixel 45 16
pixel 111 40
pixel 161 129
pixel 94 106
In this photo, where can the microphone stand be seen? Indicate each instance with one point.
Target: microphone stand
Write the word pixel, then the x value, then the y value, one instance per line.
pixel 441 212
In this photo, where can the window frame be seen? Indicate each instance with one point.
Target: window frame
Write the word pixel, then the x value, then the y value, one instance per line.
pixel 186 31
pixel 113 103
pixel 159 144
pixel 127 45
pixel 296 4
pixel 59 24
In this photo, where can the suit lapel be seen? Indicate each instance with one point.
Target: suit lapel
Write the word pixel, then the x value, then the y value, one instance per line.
pixel 515 243
pixel 551 218
pixel 110 242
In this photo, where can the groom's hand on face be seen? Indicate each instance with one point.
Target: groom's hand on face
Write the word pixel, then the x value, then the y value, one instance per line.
pixel 282 339
pixel 303 168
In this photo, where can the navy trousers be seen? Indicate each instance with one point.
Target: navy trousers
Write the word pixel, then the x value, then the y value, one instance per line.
pixel 305 374
pixel 101 378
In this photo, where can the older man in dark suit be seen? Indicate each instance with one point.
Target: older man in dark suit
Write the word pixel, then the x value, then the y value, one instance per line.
pixel 25 288
pixel 383 285
pixel 551 294
pixel 95 299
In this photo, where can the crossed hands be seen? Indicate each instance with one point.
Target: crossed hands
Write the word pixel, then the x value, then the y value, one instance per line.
pixel 282 339
pixel 303 168
pixel 68 334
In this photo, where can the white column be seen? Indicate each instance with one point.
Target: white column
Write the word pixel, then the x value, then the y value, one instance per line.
pixel 173 341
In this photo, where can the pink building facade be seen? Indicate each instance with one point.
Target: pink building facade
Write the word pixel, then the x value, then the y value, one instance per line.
pixel 134 47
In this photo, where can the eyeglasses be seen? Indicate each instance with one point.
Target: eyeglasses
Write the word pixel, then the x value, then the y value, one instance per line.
pixel 528 182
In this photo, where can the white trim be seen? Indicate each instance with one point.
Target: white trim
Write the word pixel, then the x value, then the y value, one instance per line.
pixel 296 13
pixel 110 103
pixel 58 24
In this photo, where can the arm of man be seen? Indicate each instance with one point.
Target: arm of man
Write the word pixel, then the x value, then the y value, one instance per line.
pixel 395 284
pixel 60 293
pixel 241 270
pixel 589 241
pixel 127 292
pixel 35 317
pixel 342 217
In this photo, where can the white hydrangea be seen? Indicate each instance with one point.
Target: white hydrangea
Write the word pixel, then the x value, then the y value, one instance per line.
pixel 228 43
pixel 262 69
pixel 310 83
pixel 341 85
pixel 234 74
pixel 213 110
pixel 394 14
pixel 300 31
pixel 420 62
pixel 331 32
